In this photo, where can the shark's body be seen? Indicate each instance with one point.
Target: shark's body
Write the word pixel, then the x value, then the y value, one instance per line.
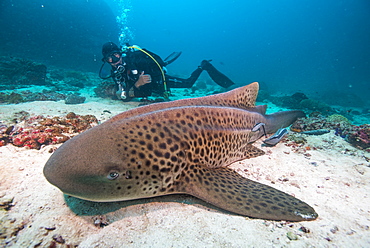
pixel 178 147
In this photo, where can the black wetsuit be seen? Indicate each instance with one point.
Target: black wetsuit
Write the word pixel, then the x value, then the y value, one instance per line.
pixel 137 61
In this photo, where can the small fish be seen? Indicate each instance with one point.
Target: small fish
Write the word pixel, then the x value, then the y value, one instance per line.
pixel 316 132
pixel 274 139
pixel 179 147
pixel 258 126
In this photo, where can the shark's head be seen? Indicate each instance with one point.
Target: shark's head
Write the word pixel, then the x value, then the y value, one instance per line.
pixel 97 171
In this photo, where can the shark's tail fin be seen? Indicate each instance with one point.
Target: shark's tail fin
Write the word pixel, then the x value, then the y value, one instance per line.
pixel 228 190
pixel 282 119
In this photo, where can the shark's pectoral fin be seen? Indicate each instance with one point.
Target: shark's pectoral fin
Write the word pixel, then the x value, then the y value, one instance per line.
pixel 228 190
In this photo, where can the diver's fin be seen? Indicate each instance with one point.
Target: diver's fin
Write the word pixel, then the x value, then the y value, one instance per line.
pixel 171 58
pixel 216 75
pixel 225 188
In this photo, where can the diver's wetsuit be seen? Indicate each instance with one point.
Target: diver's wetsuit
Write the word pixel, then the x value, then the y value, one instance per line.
pixel 137 62
pixel 176 82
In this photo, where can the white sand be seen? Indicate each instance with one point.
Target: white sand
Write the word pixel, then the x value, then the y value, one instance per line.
pixel 334 179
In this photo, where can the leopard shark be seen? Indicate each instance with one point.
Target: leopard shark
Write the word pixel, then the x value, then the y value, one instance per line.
pixel 178 147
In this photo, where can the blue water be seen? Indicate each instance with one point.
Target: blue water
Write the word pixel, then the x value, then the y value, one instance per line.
pixel 308 45
pixel 312 46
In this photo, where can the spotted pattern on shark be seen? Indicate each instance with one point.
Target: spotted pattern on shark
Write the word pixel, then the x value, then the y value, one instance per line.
pixel 174 148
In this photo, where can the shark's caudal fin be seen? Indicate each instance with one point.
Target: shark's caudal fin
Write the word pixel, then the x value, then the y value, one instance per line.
pixel 228 190
pixel 243 97
pixel 282 119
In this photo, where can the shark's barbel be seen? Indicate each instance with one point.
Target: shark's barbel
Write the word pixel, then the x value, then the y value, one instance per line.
pixel 179 147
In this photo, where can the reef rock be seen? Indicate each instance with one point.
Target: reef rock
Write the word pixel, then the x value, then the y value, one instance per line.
pixel 19 71
pixel 359 137
pixel 37 131
pixel 106 90
pixel 75 99
pixel 333 122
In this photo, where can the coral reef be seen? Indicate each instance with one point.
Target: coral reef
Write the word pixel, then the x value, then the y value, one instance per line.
pixel 45 95
pixel 28 96
pixel 315 105
pixel 358 136
pixel 19 71
pixel 11 98
pixel 342 98
pixel 292 101
pixel 36 131
pixel 64 80
pixel 106 90
pixel 321 122
pixel 338 118
pixel 301 101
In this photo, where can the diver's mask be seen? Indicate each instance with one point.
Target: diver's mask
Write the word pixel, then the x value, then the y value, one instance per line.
pixel 113 58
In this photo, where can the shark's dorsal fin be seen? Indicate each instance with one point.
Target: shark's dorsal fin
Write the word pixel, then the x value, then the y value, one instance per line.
pixel 243 98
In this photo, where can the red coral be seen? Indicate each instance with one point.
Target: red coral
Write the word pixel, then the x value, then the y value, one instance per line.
pixel 359 137
pixel 46 131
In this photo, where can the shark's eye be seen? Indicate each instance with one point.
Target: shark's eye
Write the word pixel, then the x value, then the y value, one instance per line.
pixel 112 175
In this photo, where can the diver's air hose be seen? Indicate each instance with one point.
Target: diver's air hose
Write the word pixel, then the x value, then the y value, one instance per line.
pixel 166 92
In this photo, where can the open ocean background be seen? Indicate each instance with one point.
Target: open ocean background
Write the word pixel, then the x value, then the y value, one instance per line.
pixel 308 55
pixel 320 48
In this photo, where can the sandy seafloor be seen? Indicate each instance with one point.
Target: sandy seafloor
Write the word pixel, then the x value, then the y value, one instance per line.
pixel 334 179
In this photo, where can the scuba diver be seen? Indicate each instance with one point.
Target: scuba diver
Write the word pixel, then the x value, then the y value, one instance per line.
pixel 140 73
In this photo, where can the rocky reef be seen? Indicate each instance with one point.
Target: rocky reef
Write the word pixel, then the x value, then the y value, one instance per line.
pixel 358 136
pixel 36 131
pixel 75 99
pixel 19 71
pixel 316 122
pixel 23 80
pixel 29 96
pixel 106 89
pixel 298 101
pixel 44 95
